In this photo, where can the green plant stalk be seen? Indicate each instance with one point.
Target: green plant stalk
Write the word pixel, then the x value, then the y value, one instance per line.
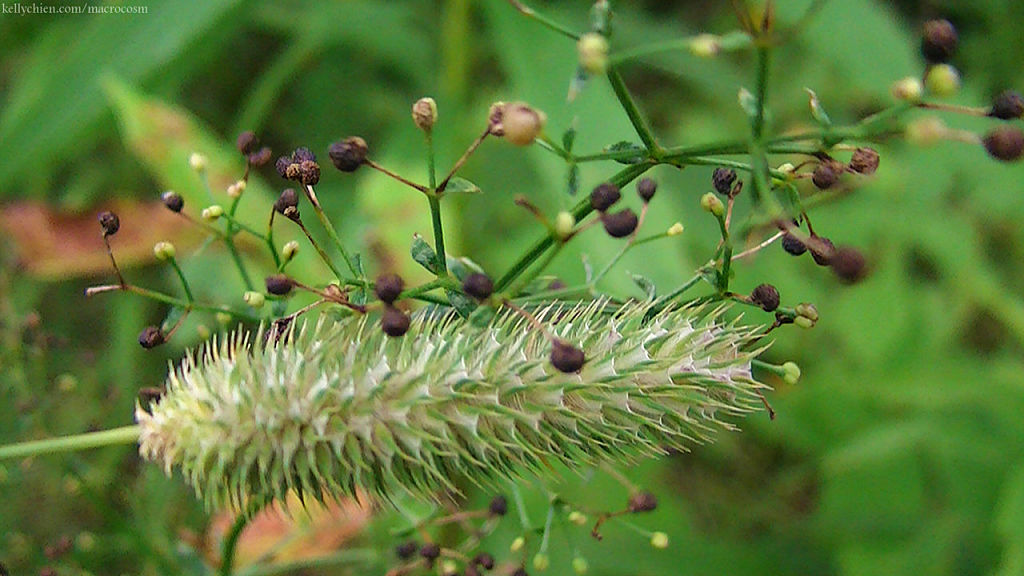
pixel 73 443
pixel 544 20
pixel 635 116
pixel 230 229
pixel 528 277
pixel 435 210
pixel 733 41
pixel 184 283
pixel 227 555
pixel 171 300
pixel 580 211
pixel 326 223
pixel 358 557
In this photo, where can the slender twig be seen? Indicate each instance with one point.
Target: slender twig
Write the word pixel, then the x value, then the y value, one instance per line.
pixel 123 435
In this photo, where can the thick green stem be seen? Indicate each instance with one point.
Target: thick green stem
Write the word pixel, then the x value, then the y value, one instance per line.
pixel 435 210
pixel 326 223
pixel 635 116
pixel 123 435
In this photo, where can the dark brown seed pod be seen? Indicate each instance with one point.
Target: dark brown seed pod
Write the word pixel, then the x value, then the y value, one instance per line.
pixel 282 165
pixel 279 284
pixel 642 502
pixel 620 224
pixel 566 357
pixel 151 337
pixel 110 223
pixel 406 549
pixel 792 245
pixel 498 506
pixel 646 188
pixel 260 157
pixel 864 161
pixel 394 322
pixel 1004 143
pixel 387 287
pixel 303 154
pixel 766 296
pixel 173 201
pixel 247 142
pixel 479 286
pixel 430 551
pixel 1008 105
pixel 938 41
pixel 348 154
pixel 826 175
pixel 309 172
pixel 723 179
pixel 822 250
pixel 287 203
pixel 484 560
pixel 603 196
pixel 849 265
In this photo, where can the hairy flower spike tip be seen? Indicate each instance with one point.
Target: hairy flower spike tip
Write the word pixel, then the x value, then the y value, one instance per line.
pixel 336 408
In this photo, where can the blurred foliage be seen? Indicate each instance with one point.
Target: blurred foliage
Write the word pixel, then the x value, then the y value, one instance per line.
pixel 898 453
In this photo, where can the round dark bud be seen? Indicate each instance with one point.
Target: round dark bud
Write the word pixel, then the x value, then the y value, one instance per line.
pixel 388 287
pixel 1008 105
pixel 282 165
pixel 303 154
pixel 260 157
pixel 287 203
pixel 642 502
pixel 279 284
pixel 394 322
pixel 604 196
pixel 938 41
pixel 793 245
pixel 151 337
pixel 430 551
pixel 479 286
pixel 498 506
pixel 620 224
pixel 849 265
pixel 309 172
pixel 566 357
pixel 766 296
pixel 110 223
pixel 723 179
pixel 521 571
pixel 825 175
pixel 646 188
pixel 484 560
pixel 1005 143
pixel 247 142
pixel 406 549
pixel 822 250
pixel 348 154
pixel 173 201
pixel 864 161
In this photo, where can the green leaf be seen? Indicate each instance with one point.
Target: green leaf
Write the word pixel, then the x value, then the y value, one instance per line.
pixel 462 266
pixel 574 179
pixel 463 304
pixel 817 111
pixel 461 186
pixel 569 138
pixel 423 254
pixel 625 146
pixel 646 285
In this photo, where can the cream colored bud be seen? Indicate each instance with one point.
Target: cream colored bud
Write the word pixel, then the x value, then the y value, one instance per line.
pixel 236 189
pixel 792 373
pixel 564 224
pixel 212 213
pixel 163 250
pixel 517 544
pixel 659 540
pixel 592 49
pixel 254 299
pixel 926 131
pixel 580 566
pixel 908 89
pixel 541 562
pixel 578 518
pixel 705 45
pixel 675 229
pixel 290 249
pixel 521 123
pixel 710 203
pixel 197 161
pixel 424 113
pixel 942 80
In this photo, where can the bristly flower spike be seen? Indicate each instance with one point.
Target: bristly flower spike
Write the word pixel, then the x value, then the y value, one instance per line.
pixel 338 408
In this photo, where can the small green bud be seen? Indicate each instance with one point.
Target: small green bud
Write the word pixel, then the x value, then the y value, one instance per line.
pixel 212 213
pixel 197 161
pixel 659 540
pixel 424 113
pixel 163 251
pixel 908 89
pixel 710 203
pixel 578 518
pixel 592 49
pixel 705 45
pixel 517 544
pixel 541 561
pixel 289 249
pixel 254 299
pixel 564 224
pixel 792 373
pixel 579 565
pixel 942 80
pixel 807 310
pixel 675 229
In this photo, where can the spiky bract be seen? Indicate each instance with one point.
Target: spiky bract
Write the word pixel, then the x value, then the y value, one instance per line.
pixel 337 408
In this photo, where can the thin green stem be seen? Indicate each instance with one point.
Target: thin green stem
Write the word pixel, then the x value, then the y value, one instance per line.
pixel 544 20
pixel 184 283
pixel 358 557
pixel 435 210
pixel 326 223
pixel 730 42
pixel 168 299
pixel 230 229
pixel 227 555
pixel 580 211
pixel 525 279
pixel 74 443
pixel 635 116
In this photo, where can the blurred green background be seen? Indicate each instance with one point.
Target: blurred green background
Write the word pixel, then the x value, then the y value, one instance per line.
pixel 901 451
